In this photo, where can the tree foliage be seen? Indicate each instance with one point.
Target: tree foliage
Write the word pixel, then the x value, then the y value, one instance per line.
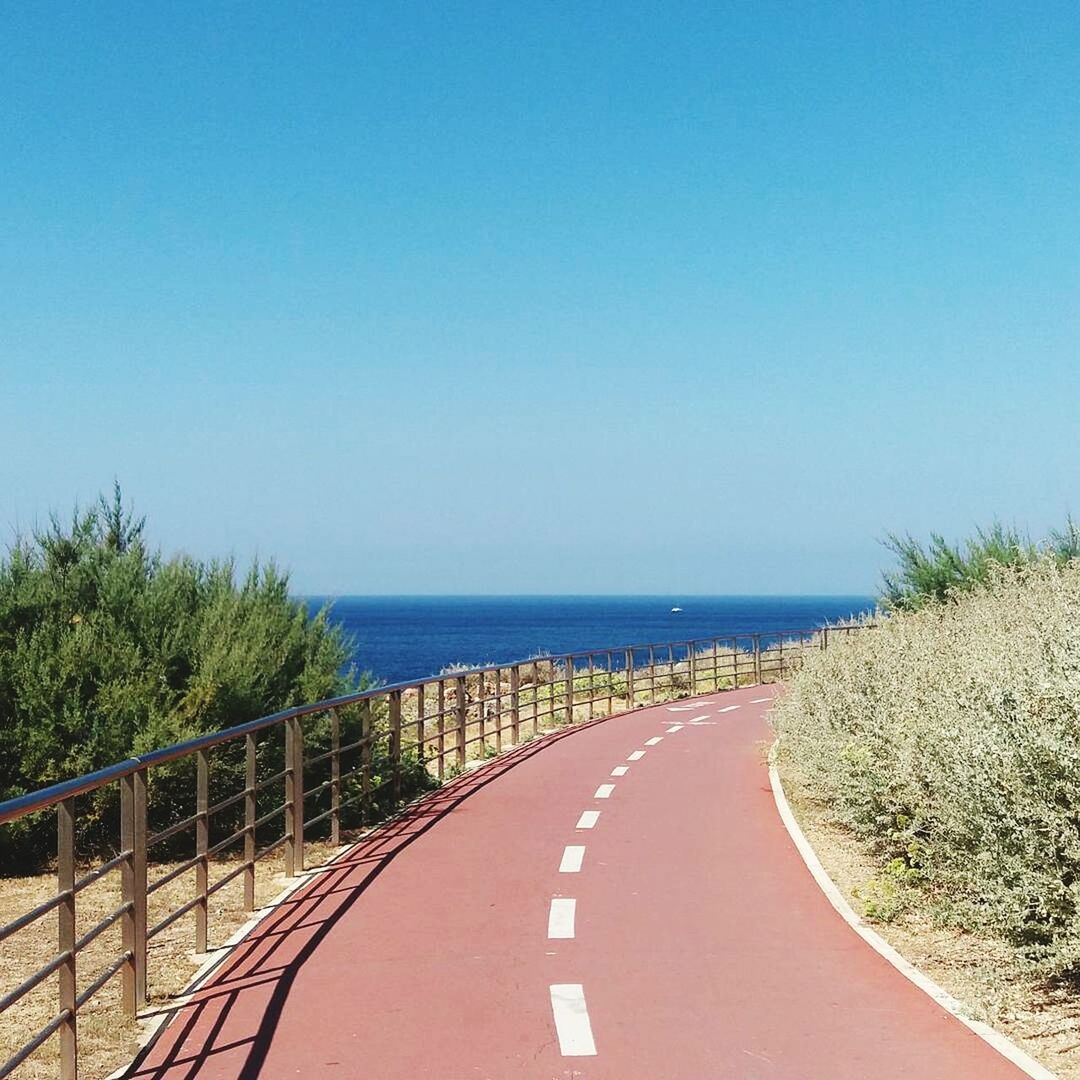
pixel 935 572
pixel 109 649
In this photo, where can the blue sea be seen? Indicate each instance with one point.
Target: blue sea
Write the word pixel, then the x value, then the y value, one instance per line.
pixel 399 638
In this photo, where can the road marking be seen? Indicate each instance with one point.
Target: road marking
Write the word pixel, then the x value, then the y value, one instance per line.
pixel 759 700
pixel 604 791
pixel 698 719
pixel 561 918
pixel 729 708
pixel 637 755
pixel 588 819
pixel 572 1020
pixel 675 727
pixel 620 770
pixel 572 857
pixel 654 740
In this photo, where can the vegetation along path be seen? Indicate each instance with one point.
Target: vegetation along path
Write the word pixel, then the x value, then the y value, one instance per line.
pixel 617 901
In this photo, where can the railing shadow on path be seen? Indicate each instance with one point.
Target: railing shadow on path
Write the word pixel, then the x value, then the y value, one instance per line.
pixel 313 910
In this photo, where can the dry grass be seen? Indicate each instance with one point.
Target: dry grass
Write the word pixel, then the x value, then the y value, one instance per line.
pixel 107 1039
pixel 1042 1018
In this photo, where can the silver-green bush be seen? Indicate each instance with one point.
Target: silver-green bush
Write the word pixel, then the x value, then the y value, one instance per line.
pixel 949 738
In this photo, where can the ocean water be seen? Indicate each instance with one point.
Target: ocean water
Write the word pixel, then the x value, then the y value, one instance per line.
pixel 399 638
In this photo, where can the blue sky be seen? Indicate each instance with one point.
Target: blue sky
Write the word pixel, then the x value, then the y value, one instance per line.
pixel 542 297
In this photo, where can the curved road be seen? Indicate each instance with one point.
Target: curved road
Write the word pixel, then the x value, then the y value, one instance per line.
pixel 614 902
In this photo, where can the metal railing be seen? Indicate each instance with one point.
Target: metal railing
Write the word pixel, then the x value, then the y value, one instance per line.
pixel 347 761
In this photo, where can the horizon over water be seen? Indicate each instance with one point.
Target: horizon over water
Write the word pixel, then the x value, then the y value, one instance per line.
pixel 399 638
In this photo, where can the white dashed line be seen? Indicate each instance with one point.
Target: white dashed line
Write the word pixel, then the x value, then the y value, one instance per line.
pixel 588 819
pixel 654 740
pixel 759 700
pixel 572 857
pixel 637 755
pixel 729 708
pixel 604 791
pixel 572 1020
pixel 561 918
pixel 698 719
pixel 675 727
pixel 620 770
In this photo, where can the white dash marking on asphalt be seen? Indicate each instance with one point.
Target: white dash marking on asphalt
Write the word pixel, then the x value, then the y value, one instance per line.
pixel 698 719
pixel 637 755
pixel 620 770
pixel 674 727
pixel 729 708
pixel 572 1020
pixel 588 819
pixel 561 918
pixel 759 700
pixel 604 791
pixel 654 740
pixel 572 857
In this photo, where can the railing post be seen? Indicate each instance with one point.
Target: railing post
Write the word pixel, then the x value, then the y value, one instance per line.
pixel 551 692
pixel 481 719
pixel 127 894
pixel 630 677
pixel 460 706
pixel 395 742
pixel 65 881
pixel 610 683
pixel 298 790
pixel 569 690
pixel 442 728
pixel 691 663
pixel 202 845
pixel 335 777
pixel 421 735
pixel 138 865
pixel 290 803
pixel 592 687
pixel 824 639
pixel 652 674
pixel 535 683
pixel 366 754
pixel 249 822
pixel 515 719
pixel 757 659
pixel 498 710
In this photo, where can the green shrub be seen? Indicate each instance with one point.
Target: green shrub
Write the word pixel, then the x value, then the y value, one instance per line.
pixel 107 649
pixel 949 738
pixel 939 570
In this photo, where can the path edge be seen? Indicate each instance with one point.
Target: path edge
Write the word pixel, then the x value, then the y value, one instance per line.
pixel 1001 1043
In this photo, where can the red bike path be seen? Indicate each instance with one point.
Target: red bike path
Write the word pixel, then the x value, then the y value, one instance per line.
pixel 701 948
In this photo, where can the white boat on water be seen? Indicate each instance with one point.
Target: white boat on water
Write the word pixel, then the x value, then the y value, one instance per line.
pixel 675 610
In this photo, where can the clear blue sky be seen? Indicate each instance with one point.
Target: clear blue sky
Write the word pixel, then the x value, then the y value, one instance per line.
pixel 542 297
